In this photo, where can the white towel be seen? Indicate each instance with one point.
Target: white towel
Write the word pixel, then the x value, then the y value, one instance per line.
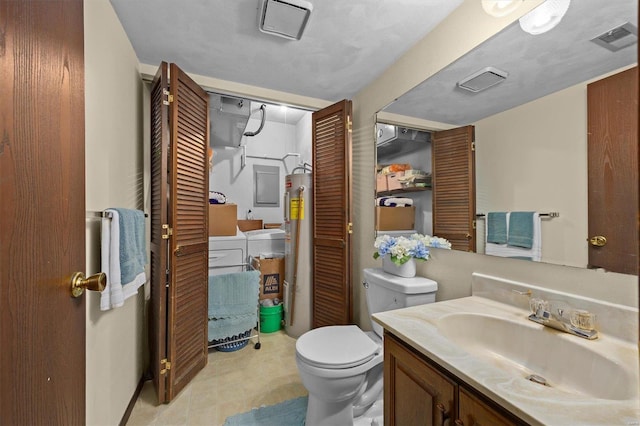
pixel 503 250
pixel 115 292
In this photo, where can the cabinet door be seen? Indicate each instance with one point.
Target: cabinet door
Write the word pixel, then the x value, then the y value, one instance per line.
pixel 475 412
pixel 414 393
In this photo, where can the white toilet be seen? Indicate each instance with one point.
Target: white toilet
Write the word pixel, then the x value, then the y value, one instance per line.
pixel 341 366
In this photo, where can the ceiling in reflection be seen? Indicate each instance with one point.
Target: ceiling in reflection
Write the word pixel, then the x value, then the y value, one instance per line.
pixel 537 65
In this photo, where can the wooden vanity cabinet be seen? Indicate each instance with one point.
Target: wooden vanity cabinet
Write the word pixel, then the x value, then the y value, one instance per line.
pixel 472 411
pixel 416 393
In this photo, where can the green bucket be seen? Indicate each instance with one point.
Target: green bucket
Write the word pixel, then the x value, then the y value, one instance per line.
pixel 270 318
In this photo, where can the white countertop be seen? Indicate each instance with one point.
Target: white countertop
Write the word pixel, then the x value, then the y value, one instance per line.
pixel 495 378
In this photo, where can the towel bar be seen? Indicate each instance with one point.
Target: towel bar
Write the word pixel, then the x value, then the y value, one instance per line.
pixel 549 215
pixel 101 214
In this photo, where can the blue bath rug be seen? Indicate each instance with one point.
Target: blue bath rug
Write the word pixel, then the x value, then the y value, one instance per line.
pixel 287 413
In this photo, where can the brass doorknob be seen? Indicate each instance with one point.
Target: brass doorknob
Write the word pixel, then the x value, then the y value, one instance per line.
pixel 598 241
pixel 96 282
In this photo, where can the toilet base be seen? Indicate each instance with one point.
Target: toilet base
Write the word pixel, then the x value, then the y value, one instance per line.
pixel 374 416
pixel 322 413
pixel 341 414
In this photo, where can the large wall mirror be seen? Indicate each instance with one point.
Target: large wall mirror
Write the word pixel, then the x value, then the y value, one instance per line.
pixel 530 127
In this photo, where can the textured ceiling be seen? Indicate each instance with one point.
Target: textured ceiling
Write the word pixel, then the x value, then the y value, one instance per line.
pixel 347 44
pixel 537 65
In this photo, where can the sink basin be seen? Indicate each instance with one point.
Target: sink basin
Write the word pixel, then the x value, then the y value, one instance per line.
pixel 524 348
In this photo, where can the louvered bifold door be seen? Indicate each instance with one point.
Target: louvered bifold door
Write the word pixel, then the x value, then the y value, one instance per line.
pixel 159 246
pixel 189 195
pixel 454 193
pixel 332 215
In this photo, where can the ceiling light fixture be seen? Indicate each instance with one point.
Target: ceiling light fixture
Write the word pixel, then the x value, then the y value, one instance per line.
pixel 483 79
pixel 284 18
pixel 544 17
pixel 499 8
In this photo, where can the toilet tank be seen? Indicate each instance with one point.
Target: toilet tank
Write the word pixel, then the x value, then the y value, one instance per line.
pixel 385 292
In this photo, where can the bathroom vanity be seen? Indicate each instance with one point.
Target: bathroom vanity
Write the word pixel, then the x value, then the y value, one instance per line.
pixel 480 360
pixel 419 391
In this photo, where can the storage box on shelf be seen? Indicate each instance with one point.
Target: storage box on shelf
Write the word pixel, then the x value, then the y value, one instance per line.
pixel 223 220
pixel 394 218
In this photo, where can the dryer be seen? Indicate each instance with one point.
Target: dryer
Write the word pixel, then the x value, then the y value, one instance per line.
pixel 227 254
pixel 265 241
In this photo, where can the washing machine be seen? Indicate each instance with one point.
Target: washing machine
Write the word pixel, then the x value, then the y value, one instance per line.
pixel 269 242
pixel 227 254
pixel 401 233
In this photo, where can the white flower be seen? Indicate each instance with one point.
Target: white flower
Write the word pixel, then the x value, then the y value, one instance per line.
pixel 401 249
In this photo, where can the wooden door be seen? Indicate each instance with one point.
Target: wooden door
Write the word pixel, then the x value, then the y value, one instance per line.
pixel 332 215
pixel 42 212
pixel 414 392
pixel 180 289
pixel 613 171
pixel 454 187
pixel 159 245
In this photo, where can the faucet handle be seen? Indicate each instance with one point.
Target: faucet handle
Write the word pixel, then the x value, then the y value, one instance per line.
pixel 583 320
pixel 539 307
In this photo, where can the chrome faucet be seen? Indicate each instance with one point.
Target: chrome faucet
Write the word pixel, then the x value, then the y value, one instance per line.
pixel 581 323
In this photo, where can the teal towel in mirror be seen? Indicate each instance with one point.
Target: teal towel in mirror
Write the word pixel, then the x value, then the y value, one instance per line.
pixel 497 227
pixel 521 229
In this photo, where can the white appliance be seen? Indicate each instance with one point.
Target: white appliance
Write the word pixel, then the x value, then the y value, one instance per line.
pixel 297 249
pixel 403 233
pixel 265 241
pixel 227 254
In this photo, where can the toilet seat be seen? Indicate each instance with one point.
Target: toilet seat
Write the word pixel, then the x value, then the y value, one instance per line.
pixel 336 347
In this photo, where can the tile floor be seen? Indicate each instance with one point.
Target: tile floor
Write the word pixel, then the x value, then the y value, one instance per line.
pixel 231 383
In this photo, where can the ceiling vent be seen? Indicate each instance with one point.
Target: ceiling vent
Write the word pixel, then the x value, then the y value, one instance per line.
pixel 618 37
pixel 284 18
pixel 483 79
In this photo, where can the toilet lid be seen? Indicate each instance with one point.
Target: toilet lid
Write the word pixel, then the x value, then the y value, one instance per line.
pixel 339 346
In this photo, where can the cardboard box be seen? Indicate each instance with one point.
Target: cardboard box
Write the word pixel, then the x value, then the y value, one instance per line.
pixel 271 277
pixel 223 220
pixel 393 182
pixel 249 225
pixel 395 218
pixel 381 183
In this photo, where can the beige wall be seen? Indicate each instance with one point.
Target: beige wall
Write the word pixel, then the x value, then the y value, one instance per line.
pixel 451 269
pixel 116 339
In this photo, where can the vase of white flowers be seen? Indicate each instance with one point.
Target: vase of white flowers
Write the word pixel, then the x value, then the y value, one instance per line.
pixel 406 270
pixel 399 253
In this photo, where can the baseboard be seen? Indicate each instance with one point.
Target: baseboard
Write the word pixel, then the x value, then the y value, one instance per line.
pixel 132 402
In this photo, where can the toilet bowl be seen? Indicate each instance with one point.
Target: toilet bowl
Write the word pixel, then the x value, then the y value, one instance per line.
pixel 341 366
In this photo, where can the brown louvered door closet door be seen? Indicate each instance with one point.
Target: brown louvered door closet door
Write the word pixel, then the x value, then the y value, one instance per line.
pixel 454 188
pixel 159 216
pixel 332 215
pixel 189 189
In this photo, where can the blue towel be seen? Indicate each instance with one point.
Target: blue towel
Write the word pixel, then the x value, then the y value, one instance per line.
pixel 233 295
pixel 497 227
pixel 521 229
pixel 133 248
pixel 221 328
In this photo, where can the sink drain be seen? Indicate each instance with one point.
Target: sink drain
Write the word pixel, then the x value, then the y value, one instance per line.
pixel 537 379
